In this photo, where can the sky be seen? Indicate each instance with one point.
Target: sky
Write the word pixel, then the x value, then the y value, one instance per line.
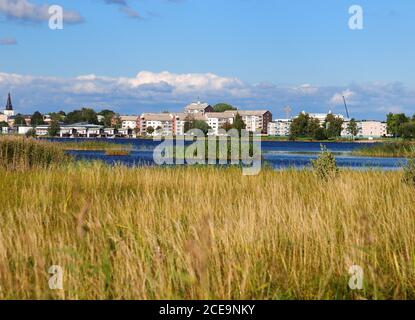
pixel 137 56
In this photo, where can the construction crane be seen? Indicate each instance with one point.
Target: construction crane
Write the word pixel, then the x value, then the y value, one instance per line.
pixel 288 111
pixel 345 106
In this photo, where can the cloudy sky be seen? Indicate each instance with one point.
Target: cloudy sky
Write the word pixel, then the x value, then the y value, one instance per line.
pixel 151 55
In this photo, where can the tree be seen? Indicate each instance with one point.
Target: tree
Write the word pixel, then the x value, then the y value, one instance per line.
pixel 312 126
pixel 239 124
pixel 408 130
pixel 395 123
pixel 3 124
pixel 299 125
pixel 222 107
pixel 83 115
pixel 37 119
pixel 108 116
pixel 226 126
pixel 320 134
pixel 191 123
pixel 116 121
pixel 54 128
pixel 352 128
pixel 19 120
pixel 333 125
pixel 57 116
pixel 150 130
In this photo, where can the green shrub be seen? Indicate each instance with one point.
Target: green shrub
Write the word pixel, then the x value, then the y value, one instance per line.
pixel 409 172
pixel 325 165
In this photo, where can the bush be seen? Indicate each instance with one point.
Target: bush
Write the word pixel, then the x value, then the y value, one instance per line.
pixel 325 165
pixel 409 172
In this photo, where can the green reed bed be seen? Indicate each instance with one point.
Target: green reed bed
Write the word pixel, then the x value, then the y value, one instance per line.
pixel 404 149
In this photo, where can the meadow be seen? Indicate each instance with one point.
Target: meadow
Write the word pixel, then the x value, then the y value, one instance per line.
pixel 204 233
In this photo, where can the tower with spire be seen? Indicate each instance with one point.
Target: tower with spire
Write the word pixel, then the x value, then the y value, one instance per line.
pixel 8 111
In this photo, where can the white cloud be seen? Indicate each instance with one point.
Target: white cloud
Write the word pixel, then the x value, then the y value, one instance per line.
pixel 24 10
pixel 150 91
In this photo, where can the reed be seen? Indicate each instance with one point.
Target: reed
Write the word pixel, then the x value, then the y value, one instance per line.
pixel 94 145
pixel 404 149
pixel 204 233
pixel 19 153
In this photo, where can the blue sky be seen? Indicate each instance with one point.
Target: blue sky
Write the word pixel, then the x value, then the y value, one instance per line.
pixel 150 55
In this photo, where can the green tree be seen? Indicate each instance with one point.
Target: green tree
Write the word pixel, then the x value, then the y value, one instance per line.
pixel 320 134
pixel 312 126
pixel 83 115
pixel 19 120
pixel 150 130
pixel 54 128
pixel 191 123
pixel 37 119
pixel 395 123
pixel 333 126
pixel 299 125
pixel 108 116
pixel 222 107
pixel 3 124
pixel 238 123
pixel 352 128
pixel 408 130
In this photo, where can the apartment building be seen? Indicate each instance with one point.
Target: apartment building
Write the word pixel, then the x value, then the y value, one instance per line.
pixel 367 129
pixel 255 120
pixel 161 124
pixel 216 120
pixel 129 122
pixel 279 127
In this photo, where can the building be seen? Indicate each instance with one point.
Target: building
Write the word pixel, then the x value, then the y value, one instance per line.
pixel 198 107
pixel 255 120
pixel 322 116
pixel 8 111
pixel 82 130
pixel 367 129
pixel 279 127
pixel 160 124
pixel 129 122
pixel 216 120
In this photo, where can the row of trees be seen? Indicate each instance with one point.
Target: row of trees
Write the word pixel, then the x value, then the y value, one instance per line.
pixel 401 126
pixel 306 126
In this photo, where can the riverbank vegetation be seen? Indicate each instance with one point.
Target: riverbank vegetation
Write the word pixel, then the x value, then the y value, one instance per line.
pixel 404 149
pixel 94 145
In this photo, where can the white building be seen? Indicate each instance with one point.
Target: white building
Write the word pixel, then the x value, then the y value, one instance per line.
pixel 216 120
pixel 279 127
pixel 367 129
pixel 255 120
pixel 198 107
pixel 129 122
pixel 322 116
pixel 161 123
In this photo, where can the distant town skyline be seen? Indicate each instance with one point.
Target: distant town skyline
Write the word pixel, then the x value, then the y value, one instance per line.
pixel 136 57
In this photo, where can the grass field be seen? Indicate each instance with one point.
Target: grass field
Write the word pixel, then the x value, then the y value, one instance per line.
pixel 204 233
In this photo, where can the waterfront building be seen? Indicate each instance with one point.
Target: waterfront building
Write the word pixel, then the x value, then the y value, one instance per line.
pixel 369 129
pixel 216 120
pixel 279 127
pixel 255 120
pixel 161 123
pixel 129 122
pixel 198 107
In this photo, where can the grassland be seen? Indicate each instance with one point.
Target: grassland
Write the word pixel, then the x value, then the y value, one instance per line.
pixel 199 232
pixel 204 233
pixel 405 149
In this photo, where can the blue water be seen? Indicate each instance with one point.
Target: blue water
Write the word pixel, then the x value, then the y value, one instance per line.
pixel 277 154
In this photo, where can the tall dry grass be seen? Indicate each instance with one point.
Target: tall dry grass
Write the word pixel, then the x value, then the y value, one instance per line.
pixel 20 153
pixel 204 233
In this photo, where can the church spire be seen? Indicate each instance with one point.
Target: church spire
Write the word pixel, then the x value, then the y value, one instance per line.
pixel 9 105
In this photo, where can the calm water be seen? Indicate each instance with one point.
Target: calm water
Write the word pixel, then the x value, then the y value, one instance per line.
pixel 275 153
